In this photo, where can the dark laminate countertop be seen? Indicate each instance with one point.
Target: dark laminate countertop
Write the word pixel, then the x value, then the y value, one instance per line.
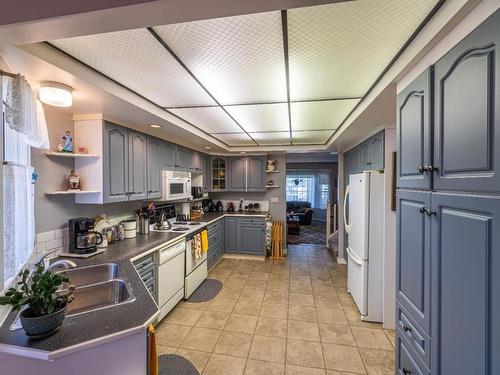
pixel 89 328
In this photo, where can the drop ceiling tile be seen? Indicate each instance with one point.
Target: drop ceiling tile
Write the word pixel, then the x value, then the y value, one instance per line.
pixel 311 137
pixel 320 115
pixel 210 119
pixel 338 50
pixel 235 139
pixel 272 138
pixel 137 60
pixel 261 117
pixel 238 59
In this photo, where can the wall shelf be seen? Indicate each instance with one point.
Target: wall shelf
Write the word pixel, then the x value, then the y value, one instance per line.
pixel 272 186
pixel 276 171
pixel 68 192
pixel 71 155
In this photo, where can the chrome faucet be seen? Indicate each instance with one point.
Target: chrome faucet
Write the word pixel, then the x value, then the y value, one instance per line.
pixel 58 264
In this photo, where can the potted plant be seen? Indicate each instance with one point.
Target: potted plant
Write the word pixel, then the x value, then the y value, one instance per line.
pixel 46 302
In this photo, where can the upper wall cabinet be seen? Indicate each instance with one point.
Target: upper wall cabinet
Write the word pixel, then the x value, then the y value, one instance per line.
pixel 467 113
pixel 137 165
pixel 237 174
pixel 256 173
pixel 170 156
pixel 218 173
pixel 156 148
pixel 207 172
pixel 115 163
pixel 414 133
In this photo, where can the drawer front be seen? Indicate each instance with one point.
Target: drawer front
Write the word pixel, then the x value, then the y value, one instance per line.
pixel 214 239
pixel 413 335
pixel 214 226
pixel 406 362
pixel 256 222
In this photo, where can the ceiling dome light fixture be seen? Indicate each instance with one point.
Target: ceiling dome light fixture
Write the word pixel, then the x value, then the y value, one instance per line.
pixel 156 126
pixel 56 94
pixel 207 147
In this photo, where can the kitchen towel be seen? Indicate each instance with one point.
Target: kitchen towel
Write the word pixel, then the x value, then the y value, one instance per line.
pixel 204 241
pixel 196 246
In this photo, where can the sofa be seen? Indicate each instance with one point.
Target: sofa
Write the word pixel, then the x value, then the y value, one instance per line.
pixel 302 210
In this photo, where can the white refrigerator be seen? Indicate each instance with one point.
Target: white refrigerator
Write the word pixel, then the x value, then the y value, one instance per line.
pixel 364 224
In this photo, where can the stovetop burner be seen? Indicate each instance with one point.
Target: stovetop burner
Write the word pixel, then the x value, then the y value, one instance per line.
pixel 180 223
pixel 180 229
pixel 194 223
pixel 184 223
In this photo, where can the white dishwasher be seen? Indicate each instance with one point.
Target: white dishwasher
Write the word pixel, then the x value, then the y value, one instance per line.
pixel 170 276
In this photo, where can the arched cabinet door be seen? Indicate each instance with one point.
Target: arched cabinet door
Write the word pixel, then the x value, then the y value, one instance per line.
pixel 115 163
pixel 467 113
pixel 414 130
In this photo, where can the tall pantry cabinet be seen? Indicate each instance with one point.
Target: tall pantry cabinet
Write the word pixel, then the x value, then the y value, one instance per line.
pixel 448 209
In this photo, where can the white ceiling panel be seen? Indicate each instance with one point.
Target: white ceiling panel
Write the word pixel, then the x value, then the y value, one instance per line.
pixel 311 137
pixel 137 60
pixel 272 138
pixel 209 119
pixel 238 59
pixel 320 115
pixel 235 139
pixel 261 117
pixel 338 50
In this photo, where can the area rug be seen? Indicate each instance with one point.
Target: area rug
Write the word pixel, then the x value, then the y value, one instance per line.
pixel 314 233
pixel 172 364
pixel 208 289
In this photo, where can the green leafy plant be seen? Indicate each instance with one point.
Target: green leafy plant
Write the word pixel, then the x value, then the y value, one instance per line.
pixel 41 293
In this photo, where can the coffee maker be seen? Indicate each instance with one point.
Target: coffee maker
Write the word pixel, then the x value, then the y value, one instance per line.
pixel 82 237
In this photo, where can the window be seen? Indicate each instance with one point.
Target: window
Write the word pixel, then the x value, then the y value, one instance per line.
pixel 301 188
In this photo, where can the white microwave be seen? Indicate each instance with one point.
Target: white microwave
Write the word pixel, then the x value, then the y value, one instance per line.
pixel 176 185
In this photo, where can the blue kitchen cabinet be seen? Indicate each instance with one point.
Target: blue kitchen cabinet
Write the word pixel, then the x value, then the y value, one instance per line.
pixel 256 173
pixel 465 234
pixel 155 154
pixel 252 236
pixel 237 173
pixel 215 242
pixel 115 163
pixel 467 113
pixel 414 133
pixel 206 165
pixel 137 166
pixel 170 156
pixel 232 234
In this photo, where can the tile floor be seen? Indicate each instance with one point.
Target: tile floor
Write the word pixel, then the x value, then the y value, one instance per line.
pixel 279 317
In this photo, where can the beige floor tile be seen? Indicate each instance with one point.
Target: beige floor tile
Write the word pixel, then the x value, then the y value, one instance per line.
pixel 324 290
pixel 229 293
pixel 252 295
pixel 183 316
pixel 378 362
pixel 262 276
pixel 171 334
pixel 255 367
pixel 300 288
pixel 275 297
pixel 221 304
pixel 333 372
pixel 327 300
pixel 303 330
pixel 234 283
pixel 244 307
pixel 271 327
pixel 268 349
pixel 273 310
pixel 333 316
pixel 302 313
pixel 301 299
pixel 391 335
pixel 281 287
pixel 234 343
pixel 241 323
pixel 202 339
pixel 193 306
pixel 224 365
pixel 255 284
pixel 347 301
pixel 161 349
pixel 343 358
pixel 197 358
pixel 304 353
pixel 354 320
pixel 213 319
pixel 371 338
pixel 336 334
pixel 317 281
pixel 299 370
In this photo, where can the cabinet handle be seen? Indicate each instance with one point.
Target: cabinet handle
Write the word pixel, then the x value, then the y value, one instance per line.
pixel 430 168
pixel 406 328
pixel 421 169
pixel 430 212
pixel 423 210
pixel 406 371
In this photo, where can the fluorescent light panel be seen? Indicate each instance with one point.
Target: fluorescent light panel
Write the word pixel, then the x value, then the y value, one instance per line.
pixel 261 117
pixel 320 115
pixel 209 119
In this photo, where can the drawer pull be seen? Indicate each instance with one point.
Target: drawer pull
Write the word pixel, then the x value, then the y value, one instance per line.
pixel 406 371
pixel 406 328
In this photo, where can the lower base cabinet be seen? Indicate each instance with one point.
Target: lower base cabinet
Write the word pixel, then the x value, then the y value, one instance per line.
pixel 215 243
pixel 245 235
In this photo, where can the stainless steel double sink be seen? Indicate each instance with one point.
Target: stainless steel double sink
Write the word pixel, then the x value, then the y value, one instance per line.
pixel 97 287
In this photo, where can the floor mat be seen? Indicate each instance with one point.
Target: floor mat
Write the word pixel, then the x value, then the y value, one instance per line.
pixel 208 289
pixel 314 233
pixel 172 364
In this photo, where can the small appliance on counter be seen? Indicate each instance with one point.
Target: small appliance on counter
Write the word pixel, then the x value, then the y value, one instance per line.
pixel 176 185
pixel 230 207
pixel 83 239
pixel 130 228
pixel 197 192
pixel 102 226
pixel 219 207
pixel 208 205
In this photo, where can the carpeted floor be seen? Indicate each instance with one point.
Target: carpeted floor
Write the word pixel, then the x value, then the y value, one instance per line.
pixel 314 233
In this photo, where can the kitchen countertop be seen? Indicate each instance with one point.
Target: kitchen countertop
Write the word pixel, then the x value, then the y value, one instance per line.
pixel 92 328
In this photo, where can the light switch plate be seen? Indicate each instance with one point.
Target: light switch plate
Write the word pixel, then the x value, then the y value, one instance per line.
pixel 275 200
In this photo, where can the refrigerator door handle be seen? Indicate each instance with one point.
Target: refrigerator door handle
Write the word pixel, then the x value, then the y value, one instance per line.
pixel 346 224
pixel 356 259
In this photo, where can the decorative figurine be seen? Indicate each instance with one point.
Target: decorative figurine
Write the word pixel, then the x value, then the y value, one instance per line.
pixel 68 142
pixel 271 165
pixel 73 181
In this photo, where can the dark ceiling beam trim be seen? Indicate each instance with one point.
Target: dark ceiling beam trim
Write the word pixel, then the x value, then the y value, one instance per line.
pixel 265 103
pixel 284 28
pixel 127 88
pixel 184 66
pixel 391 63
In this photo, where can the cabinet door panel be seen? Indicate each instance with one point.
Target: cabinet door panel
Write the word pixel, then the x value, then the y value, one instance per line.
pixel 252 239
pixel 154 167
pixel 206 173
pixel 467 113
pixel 414 133
pixel 170 157
pixel 115 162
pixel 237 174
pixel 413 256
pixel 137 165
pixel 231 232
pixel 466 284
pixel 256 173
pixel 365 157
pixel 377 151
pixel 181 159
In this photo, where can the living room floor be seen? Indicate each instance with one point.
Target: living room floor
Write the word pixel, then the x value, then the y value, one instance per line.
pixel 309 234
pixel 279 317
